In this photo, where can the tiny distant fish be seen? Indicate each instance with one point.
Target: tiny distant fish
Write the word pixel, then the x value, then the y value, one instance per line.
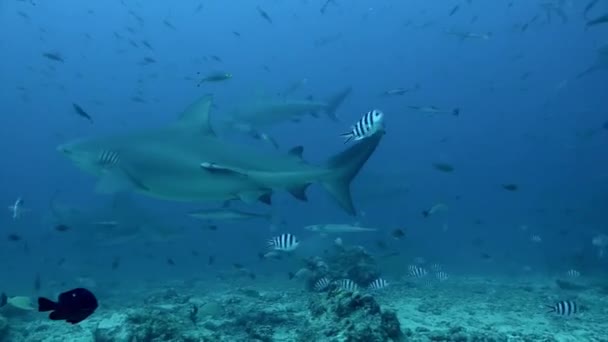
pixel 378 284
pixel 216 58
pixel 436 267
pixel 454 10
pixel 53 56
pixel 146 44
pixel 400 91
pixel 564 308
pixel 536 239
pixel 147 61
pixel 573 273
pixel 236 33
pixel 398 234
pixel 284 242
pixel 168 24
pixel 589 7
pixel 324 7
pixel 348 285
pixel 115 263
pixel 444 167
pixel 62 228
pixel 605 125
pixel 211 260
pixel 81 112
pixel 435 208
pixel 73 306
pixel 442 276
pixel 16 208
pixel 215 77
pixel 321 284
pixel 14 237
pixel 417 271
pixel 170 262
pixel 368 125
pixel 510 187
pixel 264 15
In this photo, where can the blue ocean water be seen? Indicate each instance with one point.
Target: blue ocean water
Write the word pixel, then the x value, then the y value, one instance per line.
pixel 527 189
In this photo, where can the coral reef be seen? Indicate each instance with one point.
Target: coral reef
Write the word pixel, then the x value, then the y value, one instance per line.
pixel 351 316
pixel 350 262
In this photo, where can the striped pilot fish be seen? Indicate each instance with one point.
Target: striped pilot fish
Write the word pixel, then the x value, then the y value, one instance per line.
pixel 348 285
pixel 378 284
pixel 572 273
pixel 370 123
pixel 284 243
pixel 442 276
pixel 564 308
pixel 321 284
pixel 417 271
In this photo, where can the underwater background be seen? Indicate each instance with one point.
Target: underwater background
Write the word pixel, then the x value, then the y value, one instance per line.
pixel 486 199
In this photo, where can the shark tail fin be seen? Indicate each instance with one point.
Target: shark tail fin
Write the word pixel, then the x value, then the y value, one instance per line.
pixel 345 167
pixel 334 102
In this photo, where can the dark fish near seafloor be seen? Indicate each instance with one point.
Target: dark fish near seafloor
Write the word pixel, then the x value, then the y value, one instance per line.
pixel 73 306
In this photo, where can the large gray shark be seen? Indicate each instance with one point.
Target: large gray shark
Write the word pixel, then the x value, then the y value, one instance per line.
pixel 265 112
pixel 186 161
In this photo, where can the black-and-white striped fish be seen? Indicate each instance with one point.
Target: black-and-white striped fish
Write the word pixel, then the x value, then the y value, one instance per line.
pixel 108 158
pixel 348 285
pixel 322 284
pixel 284 242
pixel 572 273
pixel 442 276
pixel 417 271
pixel 370 123
pixel 378 284
pixel 564 308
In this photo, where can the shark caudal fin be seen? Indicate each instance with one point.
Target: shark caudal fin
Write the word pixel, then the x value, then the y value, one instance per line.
pixel 334 102
pixel 345 167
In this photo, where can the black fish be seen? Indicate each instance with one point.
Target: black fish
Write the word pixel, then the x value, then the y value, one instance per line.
pixel 510 187
pixel 264 15
pixel 168 24
pixel 398 233
pixel 443 167
pixel 14 237
pixel 212 227
pixel 170 262
pixel 81 112
pixel 324 7
pixel 238 266
pixel 73 306
pixel 211 260
pixel 62 228
pixel 454 10
pixel 605 125
pixel 115 263
pixel 53 56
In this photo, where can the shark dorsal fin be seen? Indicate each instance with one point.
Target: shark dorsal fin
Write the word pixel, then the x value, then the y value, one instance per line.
pixel 296 151
pixel 197 117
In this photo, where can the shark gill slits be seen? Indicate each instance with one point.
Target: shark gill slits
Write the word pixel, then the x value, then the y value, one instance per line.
pixel 108 158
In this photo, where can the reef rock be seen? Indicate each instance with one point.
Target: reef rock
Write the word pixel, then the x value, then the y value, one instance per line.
pixel 353 317
pixel 3 328
pixel 113 328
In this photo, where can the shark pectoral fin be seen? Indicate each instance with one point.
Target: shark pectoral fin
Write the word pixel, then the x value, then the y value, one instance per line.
pixel 118 180
pixel 113 182
pixel 299 192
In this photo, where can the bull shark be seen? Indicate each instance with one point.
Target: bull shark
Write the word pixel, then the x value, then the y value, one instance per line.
pixel 273 111
pixel 186 161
